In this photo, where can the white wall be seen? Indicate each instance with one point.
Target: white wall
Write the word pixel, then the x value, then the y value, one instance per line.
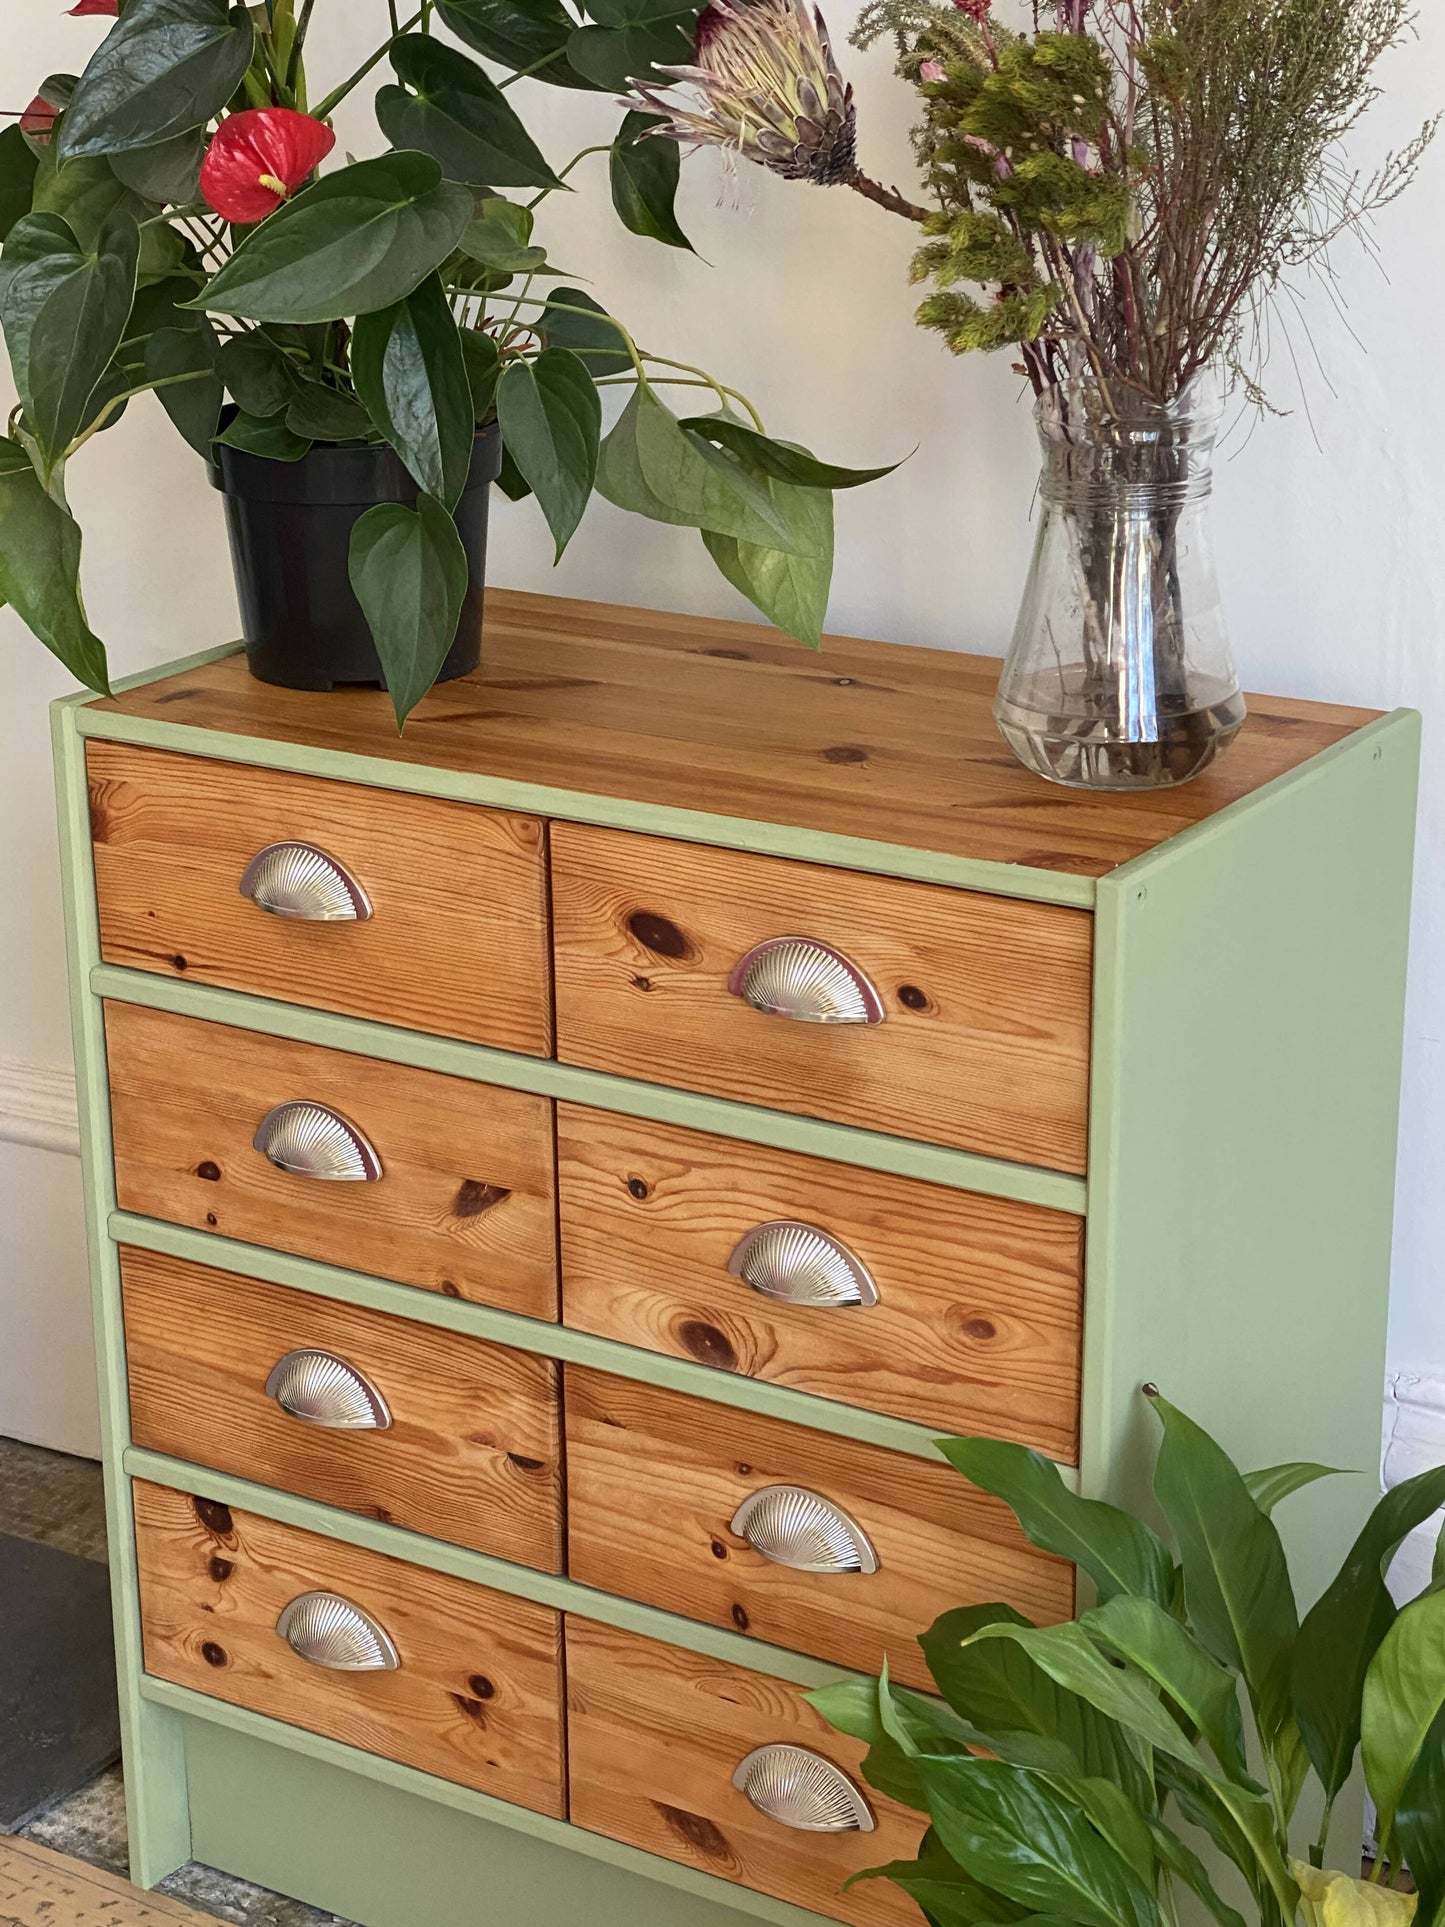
pixel 1328 523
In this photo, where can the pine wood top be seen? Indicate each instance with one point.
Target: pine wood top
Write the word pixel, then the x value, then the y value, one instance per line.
pixel 876 740
pixel 41 1888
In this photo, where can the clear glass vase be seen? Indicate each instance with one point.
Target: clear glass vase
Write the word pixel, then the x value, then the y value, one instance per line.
pixel 1119 675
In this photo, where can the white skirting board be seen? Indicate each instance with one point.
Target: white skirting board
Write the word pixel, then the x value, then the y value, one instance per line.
pixel 37 1106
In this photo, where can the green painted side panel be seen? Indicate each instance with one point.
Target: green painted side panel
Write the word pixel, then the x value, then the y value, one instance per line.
pixel 842 1143
pixel 371 1850
pixel 612 812
pixel 549 1589
pixel 1249 1014
pixel 156 1805
pixel 530 1335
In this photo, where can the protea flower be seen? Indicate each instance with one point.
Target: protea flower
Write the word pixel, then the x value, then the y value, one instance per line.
pixel 765 86
pixel 259 157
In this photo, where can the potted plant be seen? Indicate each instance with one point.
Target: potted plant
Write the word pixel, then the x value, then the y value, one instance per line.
pixel 1115 197
pixel 1066 1768
pixel 359 352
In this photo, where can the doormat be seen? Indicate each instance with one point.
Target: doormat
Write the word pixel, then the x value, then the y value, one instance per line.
pixel 59 1725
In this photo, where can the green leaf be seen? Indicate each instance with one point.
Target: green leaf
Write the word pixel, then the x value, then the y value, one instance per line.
pixel 484 366
pixel 73 338
pixel 1199 1803
pixel 1184 1861
pixel 855 1706
pixel 86 193
pixel 1016 1833
pixel 267 436
pixel 459 116
pixel 551 419
pixel 17 177
pixel 411 374
pixel 40 569
pixel 781 461
pixel 1158 1645
pixel 949 1896
pixel 999 1688
pixel 1420 1823
pixel 1236 1578
pixel 612 57
pixel 789 586
pixel 651 466
pixel 1403 1696
pixel 167 174
pixel 255 372
pixel 1119 1553
pixel 1343 1629
pixel 164 67
pixel 193 406
pixel 352 242
pixel 644 170
pixel 1275 1482
pixel 511 481
pixel 518 34
pixel 410 574
pixel 499 237
pixel 322 414
pixel 572 319
pixel 41 255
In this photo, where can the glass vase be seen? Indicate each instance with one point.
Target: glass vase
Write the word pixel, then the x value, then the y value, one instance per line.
pixel 1119 674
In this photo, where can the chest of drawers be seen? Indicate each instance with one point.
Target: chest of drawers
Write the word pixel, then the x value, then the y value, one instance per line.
pixel 522 1337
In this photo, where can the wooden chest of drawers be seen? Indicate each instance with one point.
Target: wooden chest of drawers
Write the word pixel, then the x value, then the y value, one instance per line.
pixel 492 1271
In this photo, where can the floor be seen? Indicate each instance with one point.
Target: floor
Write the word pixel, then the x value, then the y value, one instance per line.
pixel 58 1501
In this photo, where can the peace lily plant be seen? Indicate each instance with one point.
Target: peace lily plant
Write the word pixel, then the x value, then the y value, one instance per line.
pixel 1065 1769
pixel 166 229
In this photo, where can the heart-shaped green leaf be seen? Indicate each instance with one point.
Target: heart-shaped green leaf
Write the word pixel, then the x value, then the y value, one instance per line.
pixel 613 57
pixel 779 461
pixel 409 571
pixel 457 114
pixel 526 35
pixel 320 413
pixel 572 319
pixel 256 373
pixel 644 169
pixel 352 242
pixel 499 238
pixel 551 420
pixel 411 375
pixel 484 367
pixel 168 173
pixel 266 436
pixel 193 404
pixel 790 586
pixel 75 335
pixel 40 569
pixel 40 254
pixel 164 67
pixel 17 177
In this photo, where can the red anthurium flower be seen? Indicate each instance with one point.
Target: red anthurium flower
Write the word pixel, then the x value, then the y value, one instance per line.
pixel 38 119
pixel 259 157
pixel 83 7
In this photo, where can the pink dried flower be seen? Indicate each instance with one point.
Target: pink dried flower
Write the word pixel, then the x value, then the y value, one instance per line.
pixel 975 9
pixel 933 70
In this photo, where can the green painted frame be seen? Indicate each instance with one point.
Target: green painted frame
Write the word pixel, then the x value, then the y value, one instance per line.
pixel 1262 1188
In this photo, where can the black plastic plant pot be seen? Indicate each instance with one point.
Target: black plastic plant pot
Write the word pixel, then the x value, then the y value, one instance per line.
pixel 290 525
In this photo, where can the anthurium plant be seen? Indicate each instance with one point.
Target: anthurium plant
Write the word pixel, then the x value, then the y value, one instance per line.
pixel 175 220
pixel 1066 1770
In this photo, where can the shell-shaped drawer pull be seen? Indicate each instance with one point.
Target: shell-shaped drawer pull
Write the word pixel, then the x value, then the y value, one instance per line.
pixel 298 880
pixel 801 1789
pixel 312 1141
pixel 795 1527
pixel 808 981
pixel 798 1264
pixel 326 1630
pixel 318 1388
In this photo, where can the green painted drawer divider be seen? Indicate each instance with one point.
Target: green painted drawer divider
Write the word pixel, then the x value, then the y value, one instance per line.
pixel 484 1806
pixel 545 1588
pixel 841 1143
pixel 532 1335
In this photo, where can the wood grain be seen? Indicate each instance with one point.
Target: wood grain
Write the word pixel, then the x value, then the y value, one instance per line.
pixel 865 739
pixel 465 1202
pixel 473 1453
pixel 41 1888
pixel 477 1697
pixel 977 1327
pixel 457 942
pixel 940 1541
pixel 654 1734
pixel 985 1045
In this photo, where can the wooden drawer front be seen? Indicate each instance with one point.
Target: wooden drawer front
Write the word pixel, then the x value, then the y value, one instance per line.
pixel 985 1038
pixel 465 1201
pixel 654 1736
pixel 938 1541
pixel 976 1327
pixel 457 938
pixel 472 1450
pixel 477 1696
